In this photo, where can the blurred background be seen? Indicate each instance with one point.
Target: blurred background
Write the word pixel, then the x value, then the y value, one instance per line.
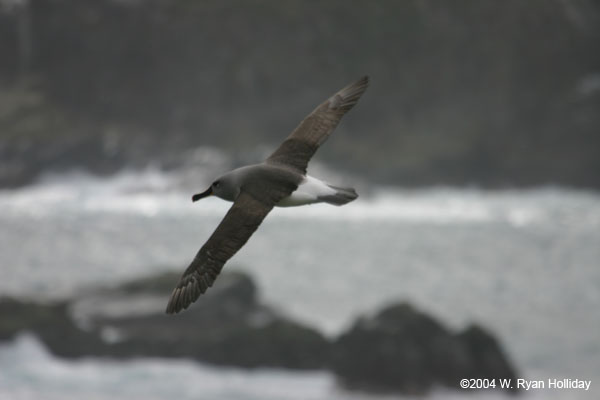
pixel 476 152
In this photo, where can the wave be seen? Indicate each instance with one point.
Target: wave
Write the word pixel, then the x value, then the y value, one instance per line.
pixel 29 372
pixel 151 192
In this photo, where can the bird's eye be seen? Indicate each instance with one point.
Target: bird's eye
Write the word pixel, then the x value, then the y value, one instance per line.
pixel 217 184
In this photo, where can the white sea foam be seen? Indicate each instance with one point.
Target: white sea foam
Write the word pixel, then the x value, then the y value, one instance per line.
pixel 29 372
pixel 150 191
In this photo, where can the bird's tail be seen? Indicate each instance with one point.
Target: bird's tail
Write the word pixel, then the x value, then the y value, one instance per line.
pixel 340 197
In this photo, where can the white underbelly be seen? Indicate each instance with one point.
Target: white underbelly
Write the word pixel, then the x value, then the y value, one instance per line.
pixel 309 191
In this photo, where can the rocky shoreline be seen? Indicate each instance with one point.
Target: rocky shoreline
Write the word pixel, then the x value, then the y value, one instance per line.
pixel 398 349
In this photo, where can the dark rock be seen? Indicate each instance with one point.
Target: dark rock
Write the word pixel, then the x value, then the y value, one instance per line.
pixel 18 316
pixel 486 355
pixel 401 349
pixel 51 323
pixel 226 326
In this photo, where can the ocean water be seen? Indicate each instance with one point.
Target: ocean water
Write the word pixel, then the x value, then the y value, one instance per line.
pixel 523 263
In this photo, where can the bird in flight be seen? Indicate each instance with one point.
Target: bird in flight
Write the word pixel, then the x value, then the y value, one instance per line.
pixel 281 180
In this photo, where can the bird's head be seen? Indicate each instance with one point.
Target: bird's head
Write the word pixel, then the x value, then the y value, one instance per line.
pixel 223 187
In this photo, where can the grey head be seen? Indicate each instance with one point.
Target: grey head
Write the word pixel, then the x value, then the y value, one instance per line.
pixel 226 187
pixel 264 181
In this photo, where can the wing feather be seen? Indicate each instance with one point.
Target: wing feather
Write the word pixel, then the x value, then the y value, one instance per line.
pixel 298 148
pixel 240 222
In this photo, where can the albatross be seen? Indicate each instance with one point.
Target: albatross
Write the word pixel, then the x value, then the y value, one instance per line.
pixel 281 180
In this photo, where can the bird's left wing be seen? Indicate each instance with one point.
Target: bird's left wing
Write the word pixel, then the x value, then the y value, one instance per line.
pixel 297 150
pixel 233 232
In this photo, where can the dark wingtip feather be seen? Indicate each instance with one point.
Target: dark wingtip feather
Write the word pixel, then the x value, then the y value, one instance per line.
pixel 346 98
pixel 181 298
pixel 172 305
pixel 187 291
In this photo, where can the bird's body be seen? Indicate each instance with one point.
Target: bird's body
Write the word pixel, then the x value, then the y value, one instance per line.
pixel 312 190
pixel 281 180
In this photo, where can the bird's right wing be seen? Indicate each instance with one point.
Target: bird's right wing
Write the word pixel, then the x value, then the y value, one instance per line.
pixel 297 150
pixel 233 232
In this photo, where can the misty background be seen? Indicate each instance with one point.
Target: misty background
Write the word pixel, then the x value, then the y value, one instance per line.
pixel 472 251
pixel 487 93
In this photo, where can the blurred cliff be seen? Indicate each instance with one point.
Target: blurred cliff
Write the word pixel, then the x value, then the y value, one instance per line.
pixel 471 92
pixel 398 349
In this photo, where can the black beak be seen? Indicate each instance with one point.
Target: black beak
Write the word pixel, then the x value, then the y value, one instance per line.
pixel 202 195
